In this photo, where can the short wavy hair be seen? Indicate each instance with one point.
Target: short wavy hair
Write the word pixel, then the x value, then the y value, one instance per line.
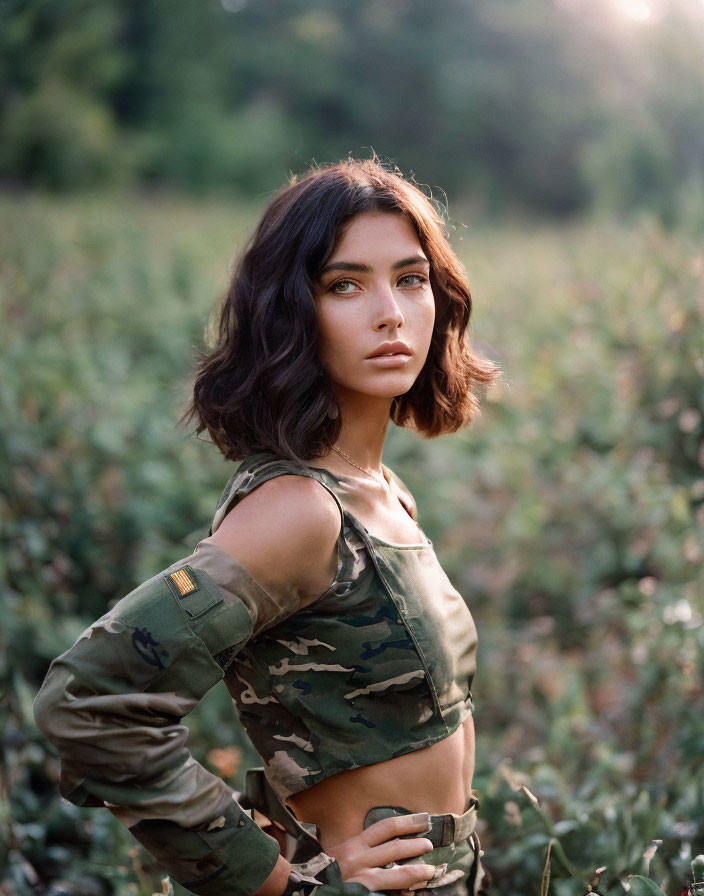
pixel 263 387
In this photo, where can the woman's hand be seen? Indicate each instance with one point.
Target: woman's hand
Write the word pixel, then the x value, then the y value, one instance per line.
pixel 362 858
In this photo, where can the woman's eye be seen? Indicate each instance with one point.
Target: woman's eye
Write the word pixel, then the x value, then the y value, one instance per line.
pixel 342 287
pixel 412 280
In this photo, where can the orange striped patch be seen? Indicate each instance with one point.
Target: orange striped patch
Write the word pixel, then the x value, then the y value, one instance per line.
pixel 183 582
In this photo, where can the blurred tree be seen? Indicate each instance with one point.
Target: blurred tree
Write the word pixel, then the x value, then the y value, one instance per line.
pixel 512 103
pixel 58 61
pixel 649 148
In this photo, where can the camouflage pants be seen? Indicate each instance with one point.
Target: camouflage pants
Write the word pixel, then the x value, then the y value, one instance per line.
pixel 456 847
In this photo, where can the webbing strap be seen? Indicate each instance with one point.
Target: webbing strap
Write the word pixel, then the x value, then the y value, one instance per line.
pixel 444 829
pixel 263 798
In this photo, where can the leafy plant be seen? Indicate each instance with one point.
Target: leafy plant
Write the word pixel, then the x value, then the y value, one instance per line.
pixel 571 516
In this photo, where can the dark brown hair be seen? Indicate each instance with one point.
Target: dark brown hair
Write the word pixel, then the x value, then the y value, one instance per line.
pixel 263 388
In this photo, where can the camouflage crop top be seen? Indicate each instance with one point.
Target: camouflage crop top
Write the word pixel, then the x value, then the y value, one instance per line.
pixel 379 665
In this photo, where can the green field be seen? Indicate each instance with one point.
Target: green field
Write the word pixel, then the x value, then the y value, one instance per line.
pixel 571 516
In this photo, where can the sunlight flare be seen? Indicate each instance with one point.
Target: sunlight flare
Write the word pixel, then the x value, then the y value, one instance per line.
pixel 637 10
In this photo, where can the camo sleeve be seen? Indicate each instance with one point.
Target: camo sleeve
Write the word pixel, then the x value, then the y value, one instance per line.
pixel 112 705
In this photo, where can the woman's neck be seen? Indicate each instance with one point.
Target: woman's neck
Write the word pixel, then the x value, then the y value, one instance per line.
pixel 363 431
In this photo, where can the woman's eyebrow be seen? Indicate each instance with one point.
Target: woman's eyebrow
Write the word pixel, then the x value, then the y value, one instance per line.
pixel 346 266
pixel 415 259
pixel 366 269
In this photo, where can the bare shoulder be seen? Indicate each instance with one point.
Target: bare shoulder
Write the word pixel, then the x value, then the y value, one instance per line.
pixel 285 531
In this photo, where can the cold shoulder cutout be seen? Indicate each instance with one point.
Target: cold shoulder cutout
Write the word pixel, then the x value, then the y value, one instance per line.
pixel 267 534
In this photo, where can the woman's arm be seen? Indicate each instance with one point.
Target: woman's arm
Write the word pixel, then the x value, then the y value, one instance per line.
pixel 112 704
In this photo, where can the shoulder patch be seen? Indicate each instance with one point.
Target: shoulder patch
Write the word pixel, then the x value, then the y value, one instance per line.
pixel 181 582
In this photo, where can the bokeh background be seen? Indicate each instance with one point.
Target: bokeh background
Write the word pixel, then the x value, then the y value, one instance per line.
pixel 139 139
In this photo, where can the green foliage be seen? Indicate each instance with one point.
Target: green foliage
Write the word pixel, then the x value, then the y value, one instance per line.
pixel 649 148
pixel 59 62
pixel 571 514
pixel 511 103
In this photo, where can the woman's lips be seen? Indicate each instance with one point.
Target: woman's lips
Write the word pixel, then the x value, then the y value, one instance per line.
pixel 397 359
pixel 391 348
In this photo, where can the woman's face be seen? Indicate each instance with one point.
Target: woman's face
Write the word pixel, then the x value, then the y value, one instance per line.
pixel 375 308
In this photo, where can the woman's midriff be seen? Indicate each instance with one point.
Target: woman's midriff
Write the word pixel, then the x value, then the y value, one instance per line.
pixel 435 779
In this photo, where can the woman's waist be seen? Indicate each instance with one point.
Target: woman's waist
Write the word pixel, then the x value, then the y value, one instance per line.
pixel 435 779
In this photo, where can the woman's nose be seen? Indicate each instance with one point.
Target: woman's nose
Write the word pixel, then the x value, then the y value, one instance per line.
pixel 388 310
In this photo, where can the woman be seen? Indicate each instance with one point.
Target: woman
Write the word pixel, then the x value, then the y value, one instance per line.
pixel 317 596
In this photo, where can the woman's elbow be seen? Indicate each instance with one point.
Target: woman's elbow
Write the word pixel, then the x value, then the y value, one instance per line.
pixel 51 710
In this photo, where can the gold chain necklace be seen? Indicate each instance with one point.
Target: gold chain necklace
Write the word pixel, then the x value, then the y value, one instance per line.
pixel 364 470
